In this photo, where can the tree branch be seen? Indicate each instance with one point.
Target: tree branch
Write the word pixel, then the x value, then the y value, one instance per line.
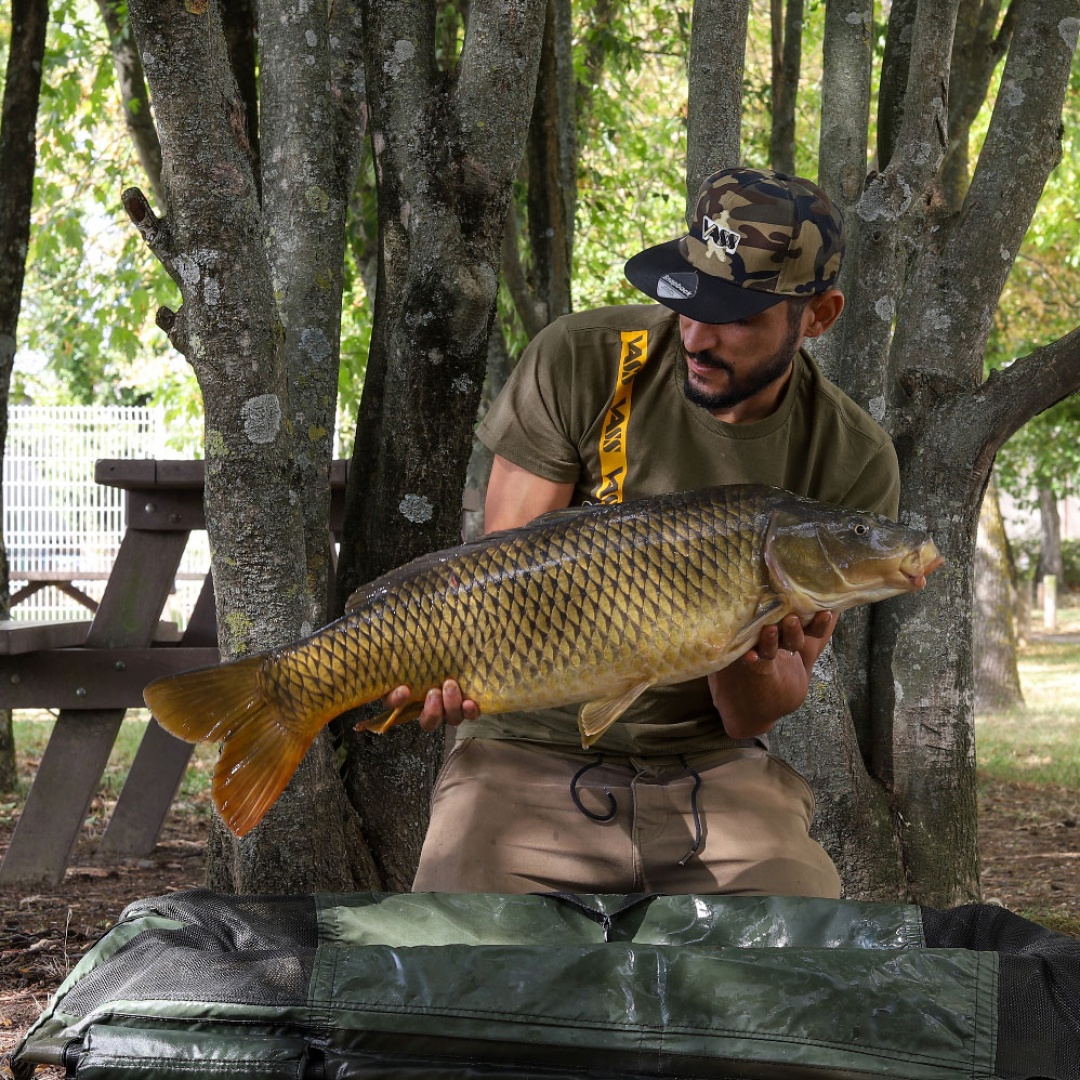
pixel 1011 396
pixel 845 101
pixel 895 68
pixel 499 48
pixel 134 99
pixel 889 219
pixel 957 281
pixel 532 312
pixel 239 21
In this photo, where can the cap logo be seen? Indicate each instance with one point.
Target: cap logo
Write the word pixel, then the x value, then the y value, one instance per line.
pixel 721 242
pixel 677 286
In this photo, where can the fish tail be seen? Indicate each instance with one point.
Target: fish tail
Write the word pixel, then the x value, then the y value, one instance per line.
pixel 262 745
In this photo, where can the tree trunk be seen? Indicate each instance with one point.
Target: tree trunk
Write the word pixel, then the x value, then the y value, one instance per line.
pixel 18 157
pixel 921 284
pixel 997 677
pixel 214 244
pixel 787 25
pixel 446 152
pixel 714 109
pixel 948 425
pixel 1050 561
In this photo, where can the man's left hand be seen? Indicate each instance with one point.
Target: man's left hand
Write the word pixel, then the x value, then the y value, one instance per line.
pixel 771 679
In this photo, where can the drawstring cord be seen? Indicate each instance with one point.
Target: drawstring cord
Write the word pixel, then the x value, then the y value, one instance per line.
pixel 613 806
pixel 694 809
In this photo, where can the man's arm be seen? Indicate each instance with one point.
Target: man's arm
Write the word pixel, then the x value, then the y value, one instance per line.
pixel 768 682
pixel 514 497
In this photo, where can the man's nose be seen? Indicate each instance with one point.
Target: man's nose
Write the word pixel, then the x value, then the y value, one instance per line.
pixel 699 337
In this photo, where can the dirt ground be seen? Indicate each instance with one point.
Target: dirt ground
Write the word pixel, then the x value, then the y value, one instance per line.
pixel 1029 845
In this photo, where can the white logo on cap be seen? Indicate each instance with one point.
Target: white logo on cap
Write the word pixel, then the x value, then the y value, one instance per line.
pixel 677 286
pixel 720 240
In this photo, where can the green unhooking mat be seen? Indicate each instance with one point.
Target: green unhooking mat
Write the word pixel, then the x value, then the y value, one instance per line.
pixel 467 987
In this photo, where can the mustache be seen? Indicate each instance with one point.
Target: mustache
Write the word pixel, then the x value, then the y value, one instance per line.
pixel 717 363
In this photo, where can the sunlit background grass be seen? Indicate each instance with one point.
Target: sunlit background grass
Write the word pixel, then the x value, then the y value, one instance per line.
pixel 1039 743
pixel 32 731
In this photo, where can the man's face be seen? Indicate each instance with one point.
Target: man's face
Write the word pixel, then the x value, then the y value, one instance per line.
pixel 729 365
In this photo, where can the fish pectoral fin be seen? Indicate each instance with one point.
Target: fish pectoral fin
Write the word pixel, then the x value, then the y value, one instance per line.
pixel 595 717
pixel 382 723
pixel 768 612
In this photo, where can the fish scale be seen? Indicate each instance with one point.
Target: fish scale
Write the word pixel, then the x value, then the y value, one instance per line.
pixel 509 610
pixel 593 605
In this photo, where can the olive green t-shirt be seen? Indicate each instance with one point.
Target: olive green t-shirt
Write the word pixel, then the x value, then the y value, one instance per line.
pixel 597 400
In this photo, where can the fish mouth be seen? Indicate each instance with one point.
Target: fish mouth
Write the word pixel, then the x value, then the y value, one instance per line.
pixel 919 564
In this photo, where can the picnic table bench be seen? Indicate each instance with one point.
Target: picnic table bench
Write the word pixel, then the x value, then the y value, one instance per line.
pixel 94 670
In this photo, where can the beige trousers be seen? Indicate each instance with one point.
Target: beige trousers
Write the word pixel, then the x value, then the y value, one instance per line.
pixel 506 819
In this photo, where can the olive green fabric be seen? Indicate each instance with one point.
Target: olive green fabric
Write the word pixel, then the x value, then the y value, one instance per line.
pixel 560 417
pixel 457 986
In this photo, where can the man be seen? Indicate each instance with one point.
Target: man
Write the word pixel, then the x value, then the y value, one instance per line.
pixel 708 387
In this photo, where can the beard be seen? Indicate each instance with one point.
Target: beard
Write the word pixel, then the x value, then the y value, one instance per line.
pixel 752 382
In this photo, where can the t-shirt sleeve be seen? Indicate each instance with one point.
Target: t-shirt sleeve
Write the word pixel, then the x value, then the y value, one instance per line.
pixel 877 487
pixel 530 422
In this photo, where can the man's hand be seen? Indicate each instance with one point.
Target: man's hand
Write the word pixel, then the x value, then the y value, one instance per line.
pixel 441 706
pixel 771 679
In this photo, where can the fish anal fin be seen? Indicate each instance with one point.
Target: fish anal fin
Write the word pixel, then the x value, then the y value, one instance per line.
pixel 595 717
pixel 382 723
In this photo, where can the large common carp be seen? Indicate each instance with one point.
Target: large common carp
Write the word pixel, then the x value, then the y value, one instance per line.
pixel 594 605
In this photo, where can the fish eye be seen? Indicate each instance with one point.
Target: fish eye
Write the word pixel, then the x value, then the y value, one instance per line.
pixel 861 528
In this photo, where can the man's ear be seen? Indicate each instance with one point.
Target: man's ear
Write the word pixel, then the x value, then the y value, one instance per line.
pixel 823 311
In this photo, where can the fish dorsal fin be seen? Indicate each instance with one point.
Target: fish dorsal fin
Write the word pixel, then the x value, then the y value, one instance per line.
pixel 595 717
pixel 434 558
pixel 564 513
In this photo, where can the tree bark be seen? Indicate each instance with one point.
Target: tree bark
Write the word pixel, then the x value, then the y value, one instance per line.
pixel 714 110
pixel 447 149
pixel 131 82
pixel 215 247
pixel 1050 561
pixel 18 158
pixel 997 676
pixel 787 22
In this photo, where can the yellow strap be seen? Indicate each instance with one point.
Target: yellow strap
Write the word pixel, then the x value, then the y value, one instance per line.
pixel 633 353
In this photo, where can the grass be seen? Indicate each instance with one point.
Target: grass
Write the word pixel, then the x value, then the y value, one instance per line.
pixel 32 731
pixel 1038 744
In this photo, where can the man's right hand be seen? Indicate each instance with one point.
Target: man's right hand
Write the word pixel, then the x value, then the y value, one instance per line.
pixel 440 706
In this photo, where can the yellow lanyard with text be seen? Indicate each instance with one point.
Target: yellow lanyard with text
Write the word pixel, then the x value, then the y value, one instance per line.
pixel 633 353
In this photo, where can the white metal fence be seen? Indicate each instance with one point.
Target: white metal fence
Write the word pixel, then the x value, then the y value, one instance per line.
pixel 61 529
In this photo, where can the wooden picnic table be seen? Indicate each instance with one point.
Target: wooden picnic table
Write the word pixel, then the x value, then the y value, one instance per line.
pixel 93 671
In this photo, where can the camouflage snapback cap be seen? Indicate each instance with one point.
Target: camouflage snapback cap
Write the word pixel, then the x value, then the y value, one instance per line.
pixel 758 237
